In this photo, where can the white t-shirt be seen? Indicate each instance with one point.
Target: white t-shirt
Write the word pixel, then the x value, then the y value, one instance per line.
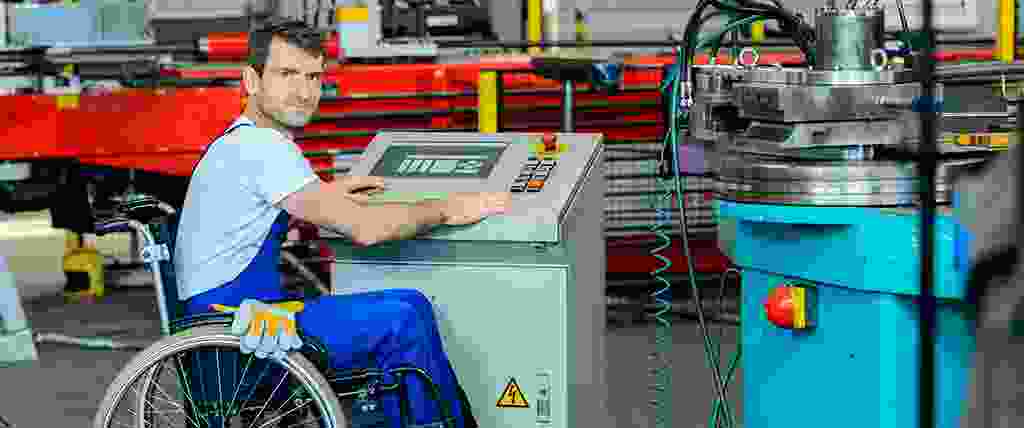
pixel 232 202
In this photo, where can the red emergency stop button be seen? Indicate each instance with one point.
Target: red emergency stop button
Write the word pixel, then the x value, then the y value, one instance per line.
pixel 550 143
pixel 791 306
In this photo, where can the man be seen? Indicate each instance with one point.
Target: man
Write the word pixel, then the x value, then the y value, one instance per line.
pixel 241 196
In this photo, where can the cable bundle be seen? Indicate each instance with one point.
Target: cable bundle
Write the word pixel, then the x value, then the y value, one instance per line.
pixel 743 12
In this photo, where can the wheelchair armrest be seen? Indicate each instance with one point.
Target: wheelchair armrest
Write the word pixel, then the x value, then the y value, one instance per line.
pixel 142 208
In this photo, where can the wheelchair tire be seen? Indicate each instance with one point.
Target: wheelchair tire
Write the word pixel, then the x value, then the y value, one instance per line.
pixel 143 365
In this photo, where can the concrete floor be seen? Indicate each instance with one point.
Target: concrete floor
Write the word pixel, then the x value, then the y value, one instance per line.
pixel 63 389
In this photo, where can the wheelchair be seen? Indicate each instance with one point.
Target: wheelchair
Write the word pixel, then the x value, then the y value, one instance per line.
pixel 197 377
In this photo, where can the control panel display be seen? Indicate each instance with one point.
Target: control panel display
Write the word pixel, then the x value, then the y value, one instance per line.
pixel 438 161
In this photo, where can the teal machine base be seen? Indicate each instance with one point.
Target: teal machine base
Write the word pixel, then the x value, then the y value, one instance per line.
pixel 858 366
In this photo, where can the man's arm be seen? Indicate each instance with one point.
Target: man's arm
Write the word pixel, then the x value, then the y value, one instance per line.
pixel 327 204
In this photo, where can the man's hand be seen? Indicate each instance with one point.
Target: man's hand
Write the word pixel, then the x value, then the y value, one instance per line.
pixel 359 188
pixel 267 330
pixel 468 208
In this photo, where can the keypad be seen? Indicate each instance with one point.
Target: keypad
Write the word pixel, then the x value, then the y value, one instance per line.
pixel 533 175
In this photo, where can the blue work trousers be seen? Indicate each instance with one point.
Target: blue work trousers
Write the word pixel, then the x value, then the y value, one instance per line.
pixel 373 330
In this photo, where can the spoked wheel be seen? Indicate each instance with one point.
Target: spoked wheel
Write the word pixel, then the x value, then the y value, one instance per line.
pixel 200 379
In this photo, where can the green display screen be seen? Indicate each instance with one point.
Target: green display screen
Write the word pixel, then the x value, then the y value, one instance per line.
pixel 438 161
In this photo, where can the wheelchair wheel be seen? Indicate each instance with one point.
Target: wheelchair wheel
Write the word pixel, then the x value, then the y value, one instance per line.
pixel 200 379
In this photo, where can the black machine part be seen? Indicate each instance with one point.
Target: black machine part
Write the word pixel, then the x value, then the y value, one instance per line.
pixel 435 18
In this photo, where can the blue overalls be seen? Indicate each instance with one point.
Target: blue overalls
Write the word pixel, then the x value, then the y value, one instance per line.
pixel 375 330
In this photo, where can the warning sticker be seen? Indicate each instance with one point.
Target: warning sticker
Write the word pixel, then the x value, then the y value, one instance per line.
pixel 513 396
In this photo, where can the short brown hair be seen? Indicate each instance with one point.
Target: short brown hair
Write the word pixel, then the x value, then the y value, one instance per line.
pixel 296 33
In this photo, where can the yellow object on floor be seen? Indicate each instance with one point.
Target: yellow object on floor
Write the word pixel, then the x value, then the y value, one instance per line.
pixel 83 267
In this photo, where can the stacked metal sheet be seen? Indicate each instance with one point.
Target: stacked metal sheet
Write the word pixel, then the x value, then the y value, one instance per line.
pixel 636 197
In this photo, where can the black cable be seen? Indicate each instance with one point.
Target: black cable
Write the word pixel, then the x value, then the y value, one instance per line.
pixel 1019 179
pixel 927 167
pixel 801 33
pixel 316 15
pixel 721 386
pixel 790 23
pixel 721 316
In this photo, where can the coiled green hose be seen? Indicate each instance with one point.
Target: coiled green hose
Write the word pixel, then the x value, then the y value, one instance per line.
pixel 663 334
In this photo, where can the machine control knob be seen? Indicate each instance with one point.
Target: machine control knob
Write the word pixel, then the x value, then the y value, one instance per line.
pixel 791 307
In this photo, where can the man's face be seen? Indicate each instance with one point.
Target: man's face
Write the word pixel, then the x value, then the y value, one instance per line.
pixel 289 90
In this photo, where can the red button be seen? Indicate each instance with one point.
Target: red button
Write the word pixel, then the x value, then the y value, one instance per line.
pixel 779 307
pixel 550 143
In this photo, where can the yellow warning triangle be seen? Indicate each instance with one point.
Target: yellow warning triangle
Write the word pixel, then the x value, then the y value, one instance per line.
pixel 512 396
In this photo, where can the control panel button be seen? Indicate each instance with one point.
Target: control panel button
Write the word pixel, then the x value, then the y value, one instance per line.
pixel 534 185
pixel 543 169
pixel 540 176
pixel 517 188
pixel 533 163
pixel 548 163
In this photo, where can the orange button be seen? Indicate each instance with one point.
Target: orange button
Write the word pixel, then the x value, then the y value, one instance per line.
pixel 535 184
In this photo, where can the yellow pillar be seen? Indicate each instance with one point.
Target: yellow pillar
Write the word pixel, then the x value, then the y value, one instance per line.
pixel 487 99
pixel 534 23
pixel 1006 32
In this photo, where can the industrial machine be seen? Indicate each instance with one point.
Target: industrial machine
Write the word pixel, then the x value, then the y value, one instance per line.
pixel 520 296
pixel 388 28
pixel 817 203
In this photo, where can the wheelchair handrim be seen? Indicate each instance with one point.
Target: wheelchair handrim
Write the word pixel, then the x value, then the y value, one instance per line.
pixel 145 363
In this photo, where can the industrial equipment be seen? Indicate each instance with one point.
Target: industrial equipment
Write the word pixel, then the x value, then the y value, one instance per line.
pixel 389 28
pixel 520 296
pixel 361 32
pixel 817 204
pixel 434 18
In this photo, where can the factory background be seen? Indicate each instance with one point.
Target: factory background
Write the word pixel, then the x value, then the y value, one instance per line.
pixel 84 82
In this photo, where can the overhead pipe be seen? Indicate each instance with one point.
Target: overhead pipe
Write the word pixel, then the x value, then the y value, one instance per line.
pixel 235 45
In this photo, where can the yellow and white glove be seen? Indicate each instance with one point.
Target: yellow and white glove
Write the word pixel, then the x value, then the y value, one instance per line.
pixel 265 329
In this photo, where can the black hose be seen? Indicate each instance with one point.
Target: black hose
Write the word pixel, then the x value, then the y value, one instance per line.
pixel 927 167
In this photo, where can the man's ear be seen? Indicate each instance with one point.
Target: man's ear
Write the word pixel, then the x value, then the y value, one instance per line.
pixel 251 80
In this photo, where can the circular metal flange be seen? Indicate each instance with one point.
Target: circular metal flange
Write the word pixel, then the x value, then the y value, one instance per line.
pixel 750 167
pixel 859 12
pixel 849 183
pixel 806 77
pixel 818 200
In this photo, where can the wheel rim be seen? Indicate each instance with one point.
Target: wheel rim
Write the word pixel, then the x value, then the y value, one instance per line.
pixel 205 382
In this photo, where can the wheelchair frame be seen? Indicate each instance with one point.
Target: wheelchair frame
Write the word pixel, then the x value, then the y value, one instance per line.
pixel 156 223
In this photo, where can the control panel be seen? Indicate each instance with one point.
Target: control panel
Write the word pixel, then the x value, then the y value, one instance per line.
pixel 544 172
